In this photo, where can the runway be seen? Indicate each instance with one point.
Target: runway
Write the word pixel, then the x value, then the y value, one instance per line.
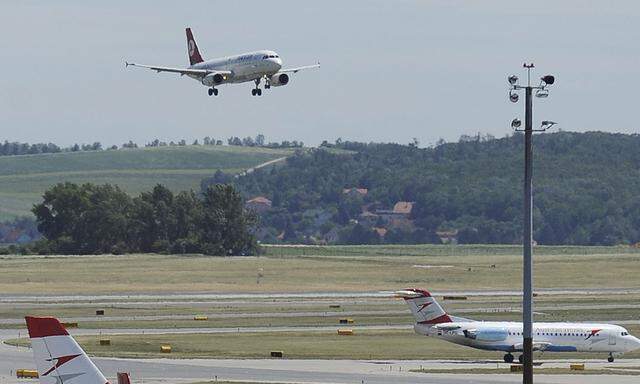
pixel 304 371
pixel 161 298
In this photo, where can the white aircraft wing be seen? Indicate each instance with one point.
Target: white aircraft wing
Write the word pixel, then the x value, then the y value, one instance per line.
pixel 181 71
pixel 295 70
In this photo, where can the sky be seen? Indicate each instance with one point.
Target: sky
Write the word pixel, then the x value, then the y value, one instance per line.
pixel 391 70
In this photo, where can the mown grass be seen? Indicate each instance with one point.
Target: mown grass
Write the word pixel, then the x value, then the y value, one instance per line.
pixel 24 178
pixel 297 274
pixel 364 344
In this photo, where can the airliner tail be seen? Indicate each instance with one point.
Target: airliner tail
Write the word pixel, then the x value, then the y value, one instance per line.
pixel 192 49
pixel 59 359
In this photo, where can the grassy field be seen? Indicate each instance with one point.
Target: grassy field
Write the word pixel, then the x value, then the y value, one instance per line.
pixel 309 270
pixel 365 344
pixel 458 270
pixel 24 178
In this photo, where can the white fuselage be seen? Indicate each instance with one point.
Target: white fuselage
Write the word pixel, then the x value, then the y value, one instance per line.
pixel 245 67
pixel 552 337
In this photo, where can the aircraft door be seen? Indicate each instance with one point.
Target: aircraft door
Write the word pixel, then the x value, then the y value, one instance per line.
pixel 612 337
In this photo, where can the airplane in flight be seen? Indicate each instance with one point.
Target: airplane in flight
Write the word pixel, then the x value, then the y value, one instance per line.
pixel 252 66
pixel 432 320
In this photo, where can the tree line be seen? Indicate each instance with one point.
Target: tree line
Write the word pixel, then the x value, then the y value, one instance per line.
pixel 16 148
pixel 585 191
pixel 94 219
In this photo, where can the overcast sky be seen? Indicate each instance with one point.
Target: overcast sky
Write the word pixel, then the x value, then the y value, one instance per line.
pixel 391 70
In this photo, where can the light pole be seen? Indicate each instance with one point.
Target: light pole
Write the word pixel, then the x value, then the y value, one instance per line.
pixel 527 291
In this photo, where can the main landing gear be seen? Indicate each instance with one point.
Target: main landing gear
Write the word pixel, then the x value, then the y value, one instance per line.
pixel 257 91
pixel 610 358
pixel 508 358
pixel 213 91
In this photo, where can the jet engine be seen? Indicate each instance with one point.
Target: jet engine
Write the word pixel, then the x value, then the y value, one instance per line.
pixel 279 79
pixel 213 79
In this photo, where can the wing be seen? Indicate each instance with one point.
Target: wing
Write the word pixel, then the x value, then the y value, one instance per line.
pixel 295 70
pixel 181 71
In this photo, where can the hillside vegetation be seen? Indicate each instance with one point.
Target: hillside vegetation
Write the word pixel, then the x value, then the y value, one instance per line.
pixel 24 178
pixel 585 192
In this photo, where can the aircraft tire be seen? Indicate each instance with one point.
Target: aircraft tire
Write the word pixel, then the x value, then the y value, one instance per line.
pixel 521 359
pixel 508 358
pixel 259 91
pixel 610 359
pixel 253 92
pixel 211 91
pixel 215 92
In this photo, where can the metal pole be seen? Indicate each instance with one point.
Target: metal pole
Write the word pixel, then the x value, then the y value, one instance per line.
pixel 527 292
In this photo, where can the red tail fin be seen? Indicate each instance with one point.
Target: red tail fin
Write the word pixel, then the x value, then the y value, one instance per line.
pixel 123 378
pixel 192 49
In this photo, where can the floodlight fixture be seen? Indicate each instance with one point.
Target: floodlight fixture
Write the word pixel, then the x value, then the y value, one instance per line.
pixel 516 123
pixel 546 124
pixel 513 97
pixel 542 93
pixel 548 79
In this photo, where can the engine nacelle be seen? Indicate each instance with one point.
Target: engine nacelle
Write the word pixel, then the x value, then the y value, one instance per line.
pixel 279 79
pixel 213 79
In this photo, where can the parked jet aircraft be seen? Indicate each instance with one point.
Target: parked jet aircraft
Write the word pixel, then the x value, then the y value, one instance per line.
pixel 59 359
pixel 253 66
pixel 432 320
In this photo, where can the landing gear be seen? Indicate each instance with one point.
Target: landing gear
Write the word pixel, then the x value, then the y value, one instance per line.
pixel 267 83
pixel 610 358
pixel 521 359
pixel 213 91
pixel 508 358
pixel 257 90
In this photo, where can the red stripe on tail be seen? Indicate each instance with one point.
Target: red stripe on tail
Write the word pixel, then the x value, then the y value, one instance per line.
pixel 44 326
pixel 438 320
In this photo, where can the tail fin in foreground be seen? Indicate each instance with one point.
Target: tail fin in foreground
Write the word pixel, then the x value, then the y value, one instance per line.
pixel 425 308
pixel 59 359
pixel 192 49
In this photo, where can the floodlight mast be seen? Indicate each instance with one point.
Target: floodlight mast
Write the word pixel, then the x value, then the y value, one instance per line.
pixel 527 283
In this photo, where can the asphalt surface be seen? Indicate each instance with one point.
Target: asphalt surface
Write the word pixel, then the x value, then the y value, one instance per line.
pixel 186 297
pixel 302 371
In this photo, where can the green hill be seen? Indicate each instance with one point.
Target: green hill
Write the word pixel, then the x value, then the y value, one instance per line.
pixel 585 192
pixel 24 178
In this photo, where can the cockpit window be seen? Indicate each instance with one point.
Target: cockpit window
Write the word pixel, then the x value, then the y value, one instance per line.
pixel 624 334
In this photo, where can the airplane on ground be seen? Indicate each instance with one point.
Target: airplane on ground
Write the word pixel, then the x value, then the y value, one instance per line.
pixel 59 359
pixel 432 320
pixel 252 66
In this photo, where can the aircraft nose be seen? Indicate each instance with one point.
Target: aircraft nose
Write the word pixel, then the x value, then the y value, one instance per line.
pixel 634 343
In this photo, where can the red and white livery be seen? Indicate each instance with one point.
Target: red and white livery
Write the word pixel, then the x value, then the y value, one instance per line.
pixel 59 358
pixel 506 336
pixel 254 67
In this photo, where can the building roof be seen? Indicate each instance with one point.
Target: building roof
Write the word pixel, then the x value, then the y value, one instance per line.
pixel 403 207
pixel 259 200
pixel 362 191
pixel 381 231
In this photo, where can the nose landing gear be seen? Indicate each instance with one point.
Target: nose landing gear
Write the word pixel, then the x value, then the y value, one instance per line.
pixel 213 91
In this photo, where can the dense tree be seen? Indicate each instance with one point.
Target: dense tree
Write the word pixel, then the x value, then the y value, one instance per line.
pixel 102 218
